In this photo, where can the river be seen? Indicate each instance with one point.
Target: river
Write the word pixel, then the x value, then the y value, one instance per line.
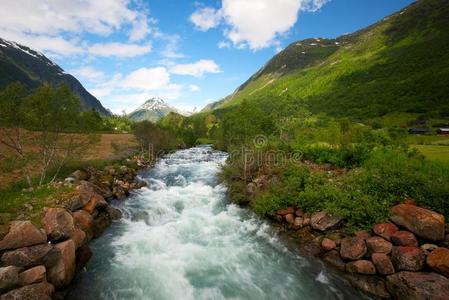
pixel 181 239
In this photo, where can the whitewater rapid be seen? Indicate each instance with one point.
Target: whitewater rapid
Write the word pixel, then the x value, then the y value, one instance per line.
pixel 181 239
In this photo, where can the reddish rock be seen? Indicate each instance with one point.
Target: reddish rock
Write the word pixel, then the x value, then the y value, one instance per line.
pixel 385 230
pixel 333 258
pixel 84 221
pixel 22 234
pixel 58 224
pixel 352 248
pixel 299 213
pixel 37 291
pixel 33 275
pixel 323 221
pixel 114 213
pixel 376 244
pixel 83 255
pixel 438 260
pixel 100 224
pixel 424 223
pixel 445 242
pixel 44 254
pixel 286 211
pixel 61 274
pixel 361 267
pixel 290 218
pixel 298 222
pixel 328 244
pixel 79 238
pixel 96 202
pixel 408 258
pixel 372 285
pixel 363 234
pixel 80 175
pixel 404 238
pixel 418 286
pixel 383 263
pixel 9 278
pixel 306 221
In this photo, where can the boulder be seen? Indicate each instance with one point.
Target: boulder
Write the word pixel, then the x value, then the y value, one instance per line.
pixel 425 223
pixel 363 234
pixel 100 224
pixel 418 286
pixel 286 211
pixel 372 285
pixel 33 275
pixel 385 230
pixel 299 213
pixel 9 278
pixel 306 220
pixel 22 234
pixel 37 291
pixel 96 201
pixel 404 238
pixel 79 238
pixel 298 223
pixel 333 258
pixel 383 263
pixel 361 267
pixel 376 244
pixel 84 221
pixel 61 274
pixel 83 255
pixel 58 224
pixel 86 189
pixel 328 244
pixel 251 189
pixel 438 260
pixel 445 242
pixel 408 258
pixel 352 248
pixel 289 218
pixel 80 175
pixel 323 221
pixel 44 254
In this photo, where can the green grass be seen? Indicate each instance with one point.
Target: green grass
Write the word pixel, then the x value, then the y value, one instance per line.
pixel 434 152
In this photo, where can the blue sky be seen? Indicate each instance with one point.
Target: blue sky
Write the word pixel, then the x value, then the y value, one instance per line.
pixel 189 53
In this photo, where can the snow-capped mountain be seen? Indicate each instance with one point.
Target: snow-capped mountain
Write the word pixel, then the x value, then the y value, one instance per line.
pixel 152 110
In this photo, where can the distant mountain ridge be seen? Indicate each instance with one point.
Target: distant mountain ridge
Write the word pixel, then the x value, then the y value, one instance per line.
pixel 152 110
pixel 32 68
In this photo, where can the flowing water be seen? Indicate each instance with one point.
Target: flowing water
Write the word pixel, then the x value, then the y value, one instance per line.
pixel 181 239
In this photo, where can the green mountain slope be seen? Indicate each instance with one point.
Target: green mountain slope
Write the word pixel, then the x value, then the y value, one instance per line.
pixel 32 68
pixel 400 64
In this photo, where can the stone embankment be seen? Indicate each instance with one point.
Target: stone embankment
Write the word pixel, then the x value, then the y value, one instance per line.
pixel 39 263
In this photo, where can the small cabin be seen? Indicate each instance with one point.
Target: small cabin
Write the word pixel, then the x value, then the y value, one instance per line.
pixel 420 131
pixel 443 131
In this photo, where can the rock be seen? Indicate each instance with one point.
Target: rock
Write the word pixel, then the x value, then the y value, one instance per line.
pixel 87 188
pixel 70 181
pixel 418 286
pixel 96 201
pixel 445 242
pixel 251 189
pixel 438 260
pixel 328 244
pixel 58 224
pixel 100 224
pixel 306 220
pixel 44 254
pixel 425 223
pixel 9 278
pixel 84 221
pixel 119 193
pixel 299 213
pixel 76 202
pixel 22 234
pixel 290 218
pixel 298 223
pixel 385 230
pixel 79 238
pixel 404 238
pixel 323 221
pixel 333 258
pixel 352 248
pixel 283 212
pixel 61 274
pixel 37 291
pixel 428 248
pixel 383 263
pixel 33 275
pixel 376 244
pixel 408 258
pixel 372 285
pixel 363 234
pixel 80 175
pixel 83 255
pixel 361 267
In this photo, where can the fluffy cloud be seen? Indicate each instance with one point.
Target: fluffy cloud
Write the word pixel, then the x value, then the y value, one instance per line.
pixel 147 79
pixel 206 18
pixel 196 69
pixel 118 49
pixel 254 24
pixel 89 73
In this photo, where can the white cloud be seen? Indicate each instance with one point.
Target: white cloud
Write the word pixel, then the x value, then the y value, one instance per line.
pixel 206 18
pixel 254 24
pixel 196 69
pixel 194 88
pixel 223 45
pixel 147 79
pixel 118 49
pixel 89 73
